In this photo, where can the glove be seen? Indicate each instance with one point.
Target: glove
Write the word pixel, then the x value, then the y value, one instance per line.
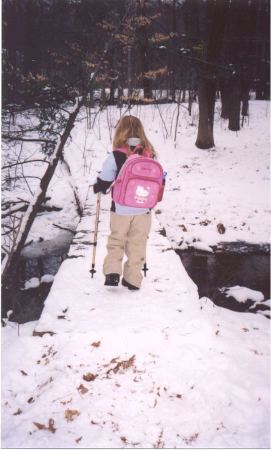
pixel 101 186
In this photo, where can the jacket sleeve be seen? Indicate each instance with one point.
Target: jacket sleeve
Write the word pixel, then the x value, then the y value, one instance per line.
pixel 106 176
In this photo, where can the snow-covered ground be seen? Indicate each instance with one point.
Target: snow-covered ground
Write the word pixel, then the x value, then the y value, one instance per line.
pixel 158 368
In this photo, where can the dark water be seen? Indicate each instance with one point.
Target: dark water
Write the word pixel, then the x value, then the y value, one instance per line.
pixel 229 267
pixel 240 264
pixel 39 258
pixel 27 305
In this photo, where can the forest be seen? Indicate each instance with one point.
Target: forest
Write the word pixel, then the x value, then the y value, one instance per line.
pixel 163 49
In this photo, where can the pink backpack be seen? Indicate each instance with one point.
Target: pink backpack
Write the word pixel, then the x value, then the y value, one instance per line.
pixel 140 181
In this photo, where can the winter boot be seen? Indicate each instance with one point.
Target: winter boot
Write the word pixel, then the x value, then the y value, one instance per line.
pixel 131 287
pixel 112 279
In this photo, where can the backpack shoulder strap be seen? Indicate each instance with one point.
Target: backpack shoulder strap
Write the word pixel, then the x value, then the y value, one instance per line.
pixel 120 156
pixel 122 150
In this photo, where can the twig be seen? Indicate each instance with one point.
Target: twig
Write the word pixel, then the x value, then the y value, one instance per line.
pixel 25 162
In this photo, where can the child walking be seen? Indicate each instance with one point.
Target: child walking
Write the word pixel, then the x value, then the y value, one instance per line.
pixel 130 226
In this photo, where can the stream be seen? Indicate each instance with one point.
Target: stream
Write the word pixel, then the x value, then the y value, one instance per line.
pixel 234 264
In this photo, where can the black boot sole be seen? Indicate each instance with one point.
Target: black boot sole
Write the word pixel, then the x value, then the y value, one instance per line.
pixel 128 285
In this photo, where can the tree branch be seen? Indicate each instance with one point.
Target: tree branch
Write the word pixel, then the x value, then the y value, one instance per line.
pixel 25 162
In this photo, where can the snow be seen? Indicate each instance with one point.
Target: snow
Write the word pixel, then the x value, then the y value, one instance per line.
pixel 32 283
pixel 242 294
pixel 35 282
pixel 159 367
pixel 47 278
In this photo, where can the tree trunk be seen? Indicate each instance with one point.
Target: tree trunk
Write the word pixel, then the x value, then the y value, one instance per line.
pixel 112 93
pixel 234 104
pixel 245 97
pixel 207 82
pixel 206 97
pixel 224 91
pixel 145 68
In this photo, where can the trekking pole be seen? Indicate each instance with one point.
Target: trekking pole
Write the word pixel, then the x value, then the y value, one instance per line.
pixel 92 270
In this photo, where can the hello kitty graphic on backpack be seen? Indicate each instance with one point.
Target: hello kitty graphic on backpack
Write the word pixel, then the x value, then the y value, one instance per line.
pixel 140 181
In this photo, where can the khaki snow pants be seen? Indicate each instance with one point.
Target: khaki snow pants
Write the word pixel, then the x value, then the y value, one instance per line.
pixel 128 235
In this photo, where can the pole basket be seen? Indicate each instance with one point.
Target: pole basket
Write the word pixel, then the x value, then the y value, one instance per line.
pixel 92 271
pixel 145 269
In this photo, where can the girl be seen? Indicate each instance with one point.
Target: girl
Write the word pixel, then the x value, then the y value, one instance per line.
pixel 129 226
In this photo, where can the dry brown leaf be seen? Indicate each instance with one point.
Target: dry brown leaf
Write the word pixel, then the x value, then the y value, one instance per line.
pixel 40 426
pixel 65 403
pixel 50 427
pixel 79 439
pixel 82 389
pixel 122 365
pixel 220 228
pixel 42 333
pixel 96 344
pixel 70 413
pixel 19 411
pixel 24 373
pixel 89 377
pixel 205 222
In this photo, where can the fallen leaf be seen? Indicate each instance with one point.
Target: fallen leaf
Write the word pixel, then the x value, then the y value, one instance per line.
pixel 24 373
pixel 79 439
pixel 82 389
pixel 245 330
pixel 40 426
pixel 19 411
pixel 69 413
pixel 206 222
pixel 89 377
pixel 65 402
pixel 96 344
pixel 51 426
pixel 126 364
pixel 42 333
pixel 220 228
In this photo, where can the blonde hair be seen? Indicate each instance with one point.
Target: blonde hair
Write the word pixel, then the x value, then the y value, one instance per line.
pixel 130 126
